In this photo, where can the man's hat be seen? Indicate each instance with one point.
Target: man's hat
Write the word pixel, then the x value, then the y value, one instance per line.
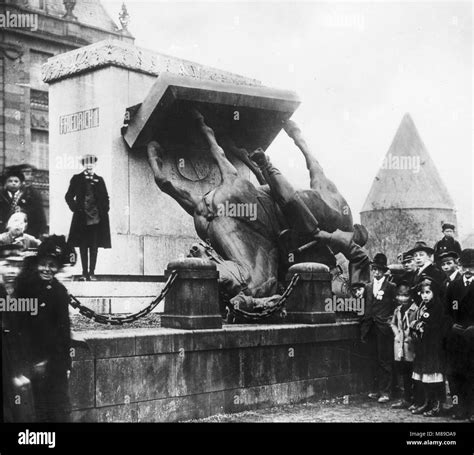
pixel 420 246
pixel 55 246
pixel 14 172
pixel 467 257
pixel 448 226
pixel 406 257
pixel 448 256
pixel 89 158
pixel 380 261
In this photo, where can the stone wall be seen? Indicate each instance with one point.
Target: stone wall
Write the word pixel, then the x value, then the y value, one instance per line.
pixel 157 375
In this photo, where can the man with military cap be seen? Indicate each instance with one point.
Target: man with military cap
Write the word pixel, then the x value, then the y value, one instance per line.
pixel 448 262
pixel 447 243
pixel 460 340
pixel 409 267
pixel 376 330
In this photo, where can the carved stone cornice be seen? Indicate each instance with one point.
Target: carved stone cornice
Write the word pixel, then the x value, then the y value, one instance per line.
pixel 123 55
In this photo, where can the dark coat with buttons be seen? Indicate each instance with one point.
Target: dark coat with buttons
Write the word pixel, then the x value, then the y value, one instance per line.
pixel 460 310
pixel 75 198
pixel 428 335
pixel 378 311
pixel 31 203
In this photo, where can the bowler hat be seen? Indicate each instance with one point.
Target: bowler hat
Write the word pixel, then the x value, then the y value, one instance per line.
pixel 467 257
pixel 89 159
pixel 448 256
pixel 380 261
pixel 421 246
pixel 447 226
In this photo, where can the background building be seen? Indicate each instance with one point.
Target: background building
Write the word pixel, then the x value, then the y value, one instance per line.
pixel 33 31
pixel 408 201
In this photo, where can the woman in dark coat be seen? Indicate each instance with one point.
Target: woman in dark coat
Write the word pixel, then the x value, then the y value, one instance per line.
pixel 88 199
pixel 428 331
pixel 45 337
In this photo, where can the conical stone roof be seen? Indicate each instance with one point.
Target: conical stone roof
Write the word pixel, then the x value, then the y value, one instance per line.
pixel 408 178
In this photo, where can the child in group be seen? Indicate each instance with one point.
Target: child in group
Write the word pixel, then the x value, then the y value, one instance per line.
pixel 428 334
pixel 404 353
pixel 449 266
pixel 16 235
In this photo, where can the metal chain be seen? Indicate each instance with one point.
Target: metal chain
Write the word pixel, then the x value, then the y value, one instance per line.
pixel 119 320
pixel 269 311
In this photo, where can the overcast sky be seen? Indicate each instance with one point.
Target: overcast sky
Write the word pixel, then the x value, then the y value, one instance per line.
pixel 357 67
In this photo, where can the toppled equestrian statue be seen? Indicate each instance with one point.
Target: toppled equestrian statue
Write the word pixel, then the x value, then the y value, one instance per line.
pixel 251 251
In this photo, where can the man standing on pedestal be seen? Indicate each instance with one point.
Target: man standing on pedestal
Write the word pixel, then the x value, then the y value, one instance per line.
pixel 88 199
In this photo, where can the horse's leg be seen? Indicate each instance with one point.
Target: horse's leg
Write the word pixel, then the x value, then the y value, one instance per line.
pixel 228 171
pixel 183 197
pixel 316 173
pixel 243 155
pixel 288 199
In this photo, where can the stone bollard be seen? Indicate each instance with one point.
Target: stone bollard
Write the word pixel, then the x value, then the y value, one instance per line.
pixel 193 300
pixel 306 304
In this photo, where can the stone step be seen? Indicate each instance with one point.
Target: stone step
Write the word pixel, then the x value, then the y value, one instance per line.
pixel 113 288
pixel 107 305
pixel 117 297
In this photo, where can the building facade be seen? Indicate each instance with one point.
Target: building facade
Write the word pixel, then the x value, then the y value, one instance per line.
pixel 408 200
pixel 31 31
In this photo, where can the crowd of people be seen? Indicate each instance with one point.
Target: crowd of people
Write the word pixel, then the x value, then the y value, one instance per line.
pixel 35 336
pixel 418 324
pixel 418 328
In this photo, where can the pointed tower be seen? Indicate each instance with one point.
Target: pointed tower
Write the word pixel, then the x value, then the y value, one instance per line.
pixel 408 201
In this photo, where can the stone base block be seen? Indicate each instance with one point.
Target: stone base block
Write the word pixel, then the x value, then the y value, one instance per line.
pixel 174 321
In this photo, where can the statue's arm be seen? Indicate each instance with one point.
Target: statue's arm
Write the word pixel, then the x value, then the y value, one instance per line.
pixel 183 197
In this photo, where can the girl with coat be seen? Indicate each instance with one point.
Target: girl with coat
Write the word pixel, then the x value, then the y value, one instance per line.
pixel 428 333
pixel 88 199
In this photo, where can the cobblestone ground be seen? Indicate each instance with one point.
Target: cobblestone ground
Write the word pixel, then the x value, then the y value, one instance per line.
pixel 358 409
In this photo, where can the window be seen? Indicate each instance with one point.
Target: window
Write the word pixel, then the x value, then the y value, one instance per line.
pixel 40 149
pixel 37 4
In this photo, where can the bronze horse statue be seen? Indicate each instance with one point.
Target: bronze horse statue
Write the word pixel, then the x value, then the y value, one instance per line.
pixel 248 251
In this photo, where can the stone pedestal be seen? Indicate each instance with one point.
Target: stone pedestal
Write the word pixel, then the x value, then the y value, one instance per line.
pixel 193 300
pixel 110 88
pixel 306 304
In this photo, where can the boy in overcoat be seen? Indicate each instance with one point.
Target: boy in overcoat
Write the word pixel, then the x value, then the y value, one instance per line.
pixel 88 199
